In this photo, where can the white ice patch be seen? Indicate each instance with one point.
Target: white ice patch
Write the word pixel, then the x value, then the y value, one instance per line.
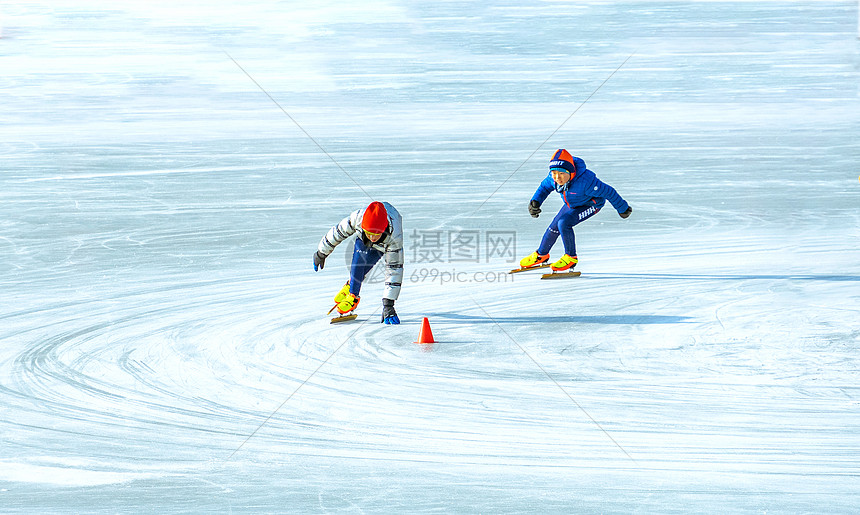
pixel 65 475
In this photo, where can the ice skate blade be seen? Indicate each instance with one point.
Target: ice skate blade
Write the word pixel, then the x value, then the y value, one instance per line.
pixel 344 318
pixel 560 275
pixel 518 270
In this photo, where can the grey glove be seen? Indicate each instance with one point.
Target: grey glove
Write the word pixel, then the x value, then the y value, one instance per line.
pixel 534 208
pixel 319 261
pixel 626 213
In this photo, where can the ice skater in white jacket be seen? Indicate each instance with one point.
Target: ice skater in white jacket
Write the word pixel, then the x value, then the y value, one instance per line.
pixel 380 230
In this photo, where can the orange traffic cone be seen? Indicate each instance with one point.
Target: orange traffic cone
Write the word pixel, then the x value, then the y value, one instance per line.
pixel 425 335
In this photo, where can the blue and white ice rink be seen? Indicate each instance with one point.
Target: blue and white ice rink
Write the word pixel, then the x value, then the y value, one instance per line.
pixel 163 344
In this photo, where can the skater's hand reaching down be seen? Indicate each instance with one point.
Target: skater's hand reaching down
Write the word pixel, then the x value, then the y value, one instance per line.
pixel 319 261
pixel 626 213
pixel 534 208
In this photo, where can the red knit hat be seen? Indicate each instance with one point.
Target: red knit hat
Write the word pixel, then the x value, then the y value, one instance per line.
pixel 563 161
pixel 375 218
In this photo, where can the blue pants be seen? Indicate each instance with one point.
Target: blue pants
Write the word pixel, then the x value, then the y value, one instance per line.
pixel 563 224
pixel 363 259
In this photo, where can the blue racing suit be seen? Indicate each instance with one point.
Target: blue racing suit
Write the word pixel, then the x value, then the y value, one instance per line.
pixel 583 195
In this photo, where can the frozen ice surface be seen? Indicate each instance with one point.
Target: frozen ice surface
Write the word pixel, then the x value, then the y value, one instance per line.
pixel 163 344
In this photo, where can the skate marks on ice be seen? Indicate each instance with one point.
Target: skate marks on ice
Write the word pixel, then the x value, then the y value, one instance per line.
pixel 728 277
pixel 618 319
pixel 177 373
pixel 173 372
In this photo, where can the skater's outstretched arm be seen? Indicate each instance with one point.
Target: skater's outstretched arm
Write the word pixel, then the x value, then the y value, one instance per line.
pixel 335 236
pixel 600 189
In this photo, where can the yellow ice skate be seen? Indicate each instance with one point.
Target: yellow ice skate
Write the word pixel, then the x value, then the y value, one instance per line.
pixel 533 259
pixel 348 304
pixel 342 293
pixel 565 263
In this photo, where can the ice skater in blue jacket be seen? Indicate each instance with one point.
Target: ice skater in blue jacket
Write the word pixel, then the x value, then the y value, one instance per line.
pixel 583 195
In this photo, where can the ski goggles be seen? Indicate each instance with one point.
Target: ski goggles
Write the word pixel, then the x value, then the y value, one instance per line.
pixel 372 234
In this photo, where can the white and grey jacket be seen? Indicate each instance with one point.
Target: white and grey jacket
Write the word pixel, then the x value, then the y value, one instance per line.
pixel 391 245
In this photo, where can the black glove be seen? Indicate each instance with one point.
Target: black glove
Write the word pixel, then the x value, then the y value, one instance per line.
pixel 389 316
pixel 626 213
pixel 534 208
pixel 319 261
